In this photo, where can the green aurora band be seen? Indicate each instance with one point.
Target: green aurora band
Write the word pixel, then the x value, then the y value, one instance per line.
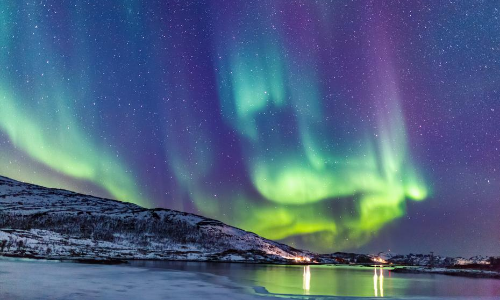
pixel 303 179
pixel 54 138
pixel 309 180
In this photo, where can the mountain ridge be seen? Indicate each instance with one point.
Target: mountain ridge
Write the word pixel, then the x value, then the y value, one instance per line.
pixel 44 222
pixel 52 223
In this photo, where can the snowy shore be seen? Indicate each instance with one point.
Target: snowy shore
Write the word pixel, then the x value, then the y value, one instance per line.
pixel 43 280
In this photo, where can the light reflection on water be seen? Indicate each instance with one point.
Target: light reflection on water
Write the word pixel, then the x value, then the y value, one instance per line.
pixel 306 280
pixel 354 281
pixel 378 279
pixel 381 280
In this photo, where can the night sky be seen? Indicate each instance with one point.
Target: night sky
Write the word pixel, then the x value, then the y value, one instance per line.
pixel 330 125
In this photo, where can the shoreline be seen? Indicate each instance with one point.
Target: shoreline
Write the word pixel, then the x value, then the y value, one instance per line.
pixel 118 261
pixel 459 272
pixel 471 273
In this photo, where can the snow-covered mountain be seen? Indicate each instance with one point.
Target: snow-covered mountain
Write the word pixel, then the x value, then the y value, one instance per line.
pixel 51 223
pixel 422 260
pixel 432 260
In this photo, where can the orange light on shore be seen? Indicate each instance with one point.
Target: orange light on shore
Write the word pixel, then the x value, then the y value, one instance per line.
pixel 379 260
pixel 301 259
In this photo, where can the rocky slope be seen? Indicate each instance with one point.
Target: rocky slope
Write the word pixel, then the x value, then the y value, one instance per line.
pixel 58 224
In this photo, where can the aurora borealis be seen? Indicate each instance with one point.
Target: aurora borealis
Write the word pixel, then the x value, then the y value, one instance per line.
pixel 330 125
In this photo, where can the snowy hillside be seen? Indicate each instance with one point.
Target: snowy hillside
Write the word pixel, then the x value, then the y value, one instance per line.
pixel 435 260
pixel 49 223
pixel 52 223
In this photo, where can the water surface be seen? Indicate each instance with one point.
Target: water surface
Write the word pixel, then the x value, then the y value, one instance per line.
pixel 331 280
pixel 51 280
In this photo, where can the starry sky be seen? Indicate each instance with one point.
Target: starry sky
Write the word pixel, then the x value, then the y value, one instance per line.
pixel 330 125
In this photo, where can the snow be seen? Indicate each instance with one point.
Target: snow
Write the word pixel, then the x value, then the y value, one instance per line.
pixel 426 259
pixel 52 223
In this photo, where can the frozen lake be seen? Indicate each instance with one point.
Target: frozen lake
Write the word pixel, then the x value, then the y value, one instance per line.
pixel 28 279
